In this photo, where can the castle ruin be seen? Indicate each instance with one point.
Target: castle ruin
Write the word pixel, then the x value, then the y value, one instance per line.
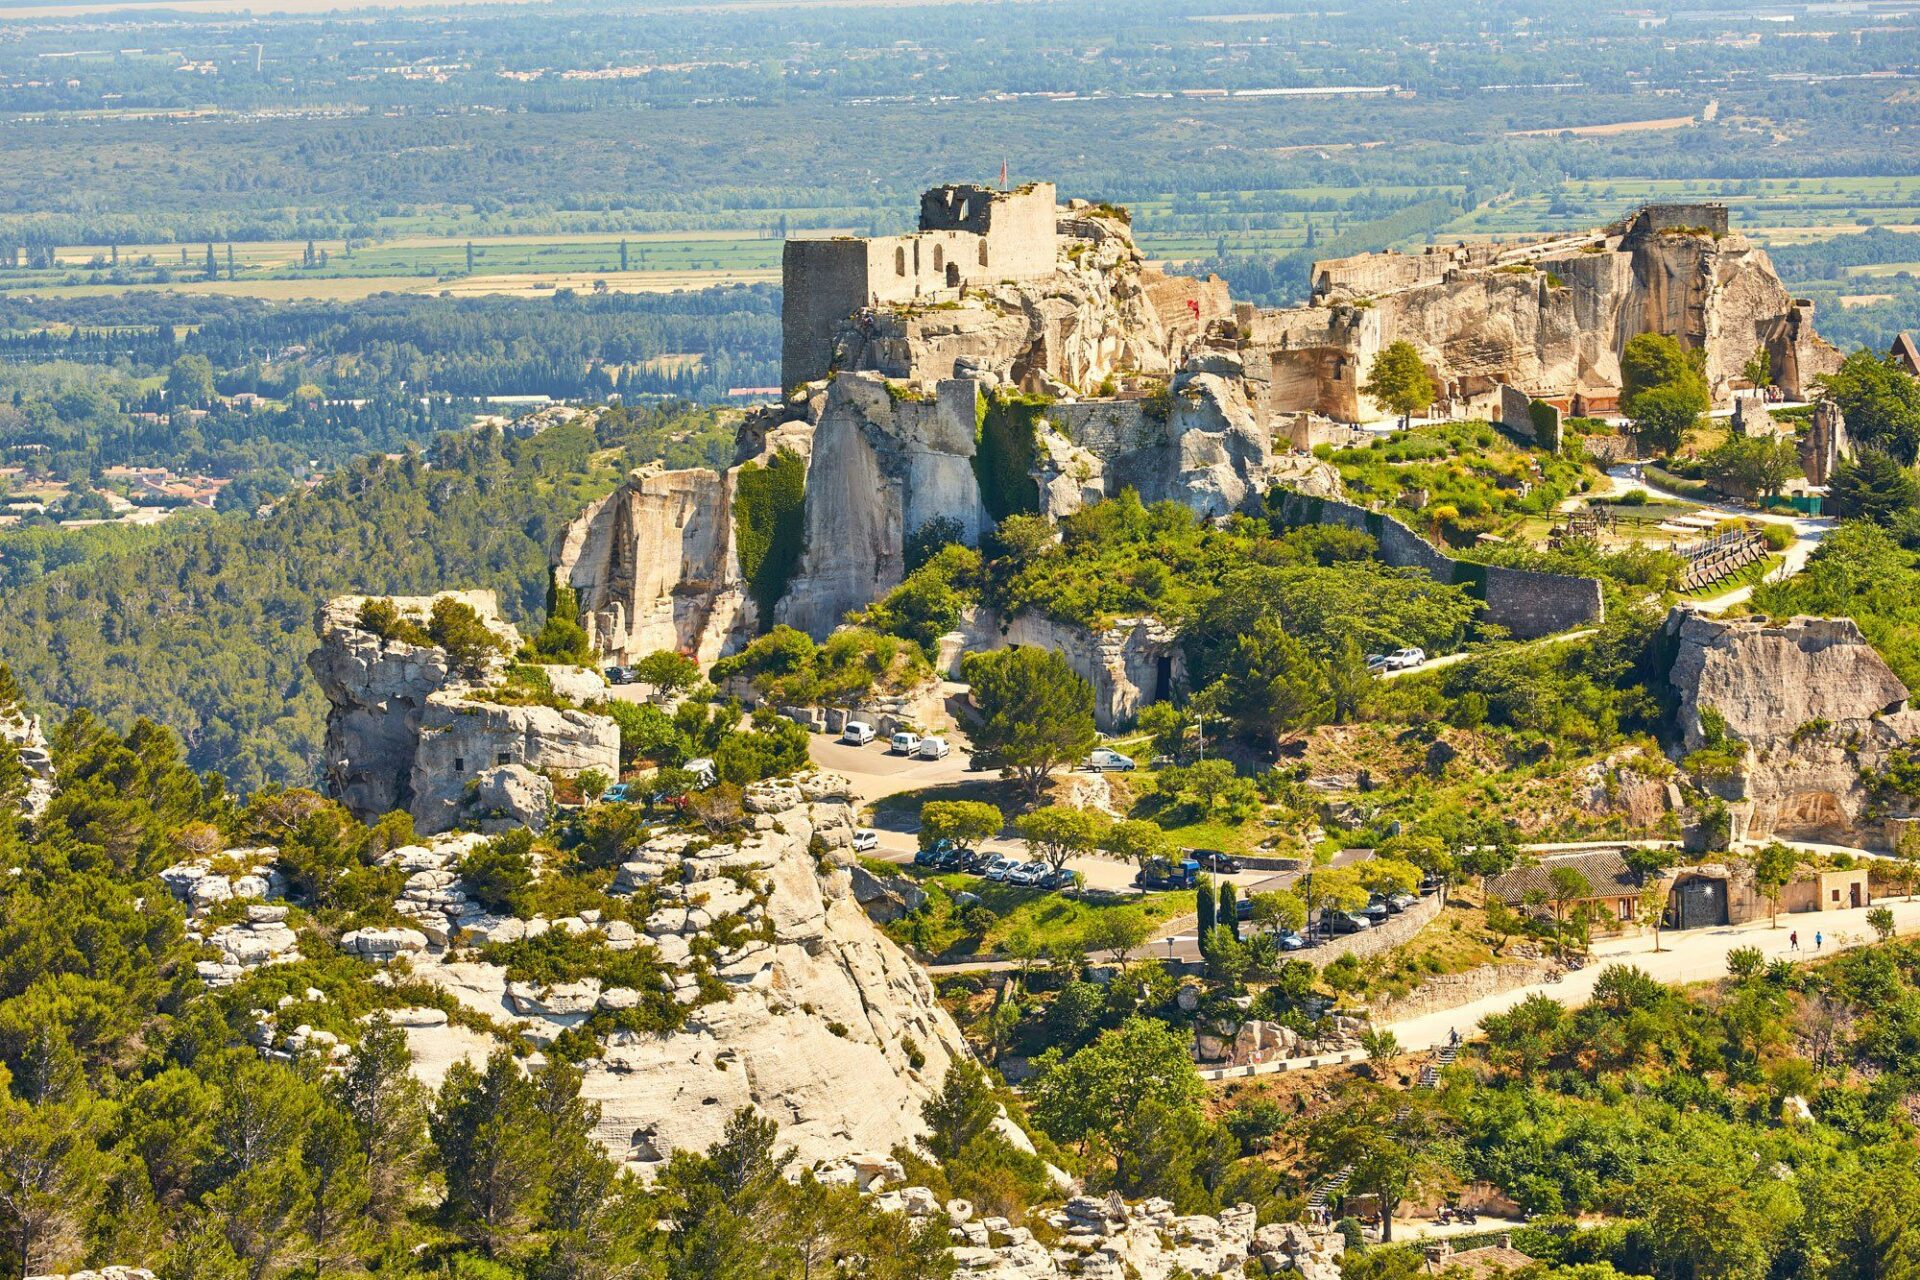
pixel 968 236
pixel 1015 354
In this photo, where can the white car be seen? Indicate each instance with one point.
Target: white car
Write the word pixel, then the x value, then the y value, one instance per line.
pixel 1401 659
pixel 1105 760
pixel 858 733
pixel 932 749
pixel 905 743
pixel 866 840
pixel 703 770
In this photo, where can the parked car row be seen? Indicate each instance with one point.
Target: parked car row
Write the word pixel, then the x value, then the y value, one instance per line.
pixel 859 733
pixel 1378 910
pixel 944 855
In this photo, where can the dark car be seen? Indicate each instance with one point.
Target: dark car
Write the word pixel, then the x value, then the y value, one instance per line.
pixel 1377 910
pixel 619 675
pixel 1215 861
pixel 1243 908
pixel 939 855
pixel 983 761
pixel 1291 941
pixel 1348 922
pixel 1158 874
pixel 1063 878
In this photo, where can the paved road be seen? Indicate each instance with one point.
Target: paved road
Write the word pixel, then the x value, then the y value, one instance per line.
pixel 1449 659
pixel 1690 956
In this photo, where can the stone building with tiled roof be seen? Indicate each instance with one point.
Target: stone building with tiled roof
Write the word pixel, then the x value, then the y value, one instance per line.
pixel 1498 1259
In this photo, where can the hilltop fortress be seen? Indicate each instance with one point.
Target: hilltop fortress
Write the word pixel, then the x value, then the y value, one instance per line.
pixel 1017 354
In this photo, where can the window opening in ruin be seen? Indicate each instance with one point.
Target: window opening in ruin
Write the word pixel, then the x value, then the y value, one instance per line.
pixel 953 275
pixel 939 257
pixel 503 757
pixel 900 261
pixel 459 764
pixel 983 253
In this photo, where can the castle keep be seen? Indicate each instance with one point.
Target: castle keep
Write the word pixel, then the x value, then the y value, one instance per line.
pixel 968 235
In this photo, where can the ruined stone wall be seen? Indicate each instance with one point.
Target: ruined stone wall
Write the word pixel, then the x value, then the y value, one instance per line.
pixel 1711 217
pixel 1528 603
pixel 822 283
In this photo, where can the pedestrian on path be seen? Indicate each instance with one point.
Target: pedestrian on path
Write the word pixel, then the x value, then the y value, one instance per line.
pixel 1793 940
pixel 1819 940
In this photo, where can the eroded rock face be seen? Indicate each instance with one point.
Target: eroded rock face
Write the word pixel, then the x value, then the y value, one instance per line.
pixel 825 1026
pixel 21 733
pixel 405 731
pixel 1816 707
pixel 1549 315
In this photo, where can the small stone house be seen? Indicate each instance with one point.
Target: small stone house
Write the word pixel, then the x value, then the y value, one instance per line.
pixel 1499 1259
pixel 1828 891
pixel 1612 883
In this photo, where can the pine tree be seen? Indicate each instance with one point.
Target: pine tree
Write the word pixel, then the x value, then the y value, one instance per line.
pixel 489 1134
pixel 388 1110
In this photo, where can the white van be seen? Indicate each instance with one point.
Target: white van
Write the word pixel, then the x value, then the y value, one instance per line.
pixel 932 749
pixel 905 742
pixel 858 733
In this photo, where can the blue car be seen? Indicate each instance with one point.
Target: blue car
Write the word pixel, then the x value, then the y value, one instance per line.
pixel 618 793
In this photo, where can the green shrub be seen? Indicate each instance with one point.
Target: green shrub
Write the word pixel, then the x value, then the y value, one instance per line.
pixel 383 619
pixel 769 517
pixel 1006 425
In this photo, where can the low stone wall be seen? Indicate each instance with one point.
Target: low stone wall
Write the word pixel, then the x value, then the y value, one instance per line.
pixel 1528 604
pixel 1385 937
pixel 1451 990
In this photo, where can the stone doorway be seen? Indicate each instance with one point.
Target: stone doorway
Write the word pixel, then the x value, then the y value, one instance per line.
pixel 1699 903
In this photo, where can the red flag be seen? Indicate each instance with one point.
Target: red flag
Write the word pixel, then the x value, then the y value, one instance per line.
pixel 1193 305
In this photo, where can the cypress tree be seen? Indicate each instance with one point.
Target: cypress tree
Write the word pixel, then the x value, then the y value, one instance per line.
pixel 1228 915
pixel 1203 906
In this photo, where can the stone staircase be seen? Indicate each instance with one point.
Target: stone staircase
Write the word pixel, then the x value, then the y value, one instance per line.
pixel 1321 1196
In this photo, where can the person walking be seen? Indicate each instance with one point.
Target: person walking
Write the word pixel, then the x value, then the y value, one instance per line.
pixel 1819 940
pixel 1793 940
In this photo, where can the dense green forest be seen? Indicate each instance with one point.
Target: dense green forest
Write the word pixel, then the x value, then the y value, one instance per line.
pixel 207 629
pixel 342 381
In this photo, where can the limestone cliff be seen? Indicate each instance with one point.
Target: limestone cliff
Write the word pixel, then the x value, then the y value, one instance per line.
pixel 1551 316
pixel 20 733
pixel 820 1023
pixel 958 392
pixel 1817 709
pixel 656 563
pixel 405 731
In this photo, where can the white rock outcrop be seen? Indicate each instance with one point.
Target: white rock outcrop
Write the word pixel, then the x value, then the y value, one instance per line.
pixel 822 1024
pixel 1812 711
pixel 406 731
pixel 1110 1239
